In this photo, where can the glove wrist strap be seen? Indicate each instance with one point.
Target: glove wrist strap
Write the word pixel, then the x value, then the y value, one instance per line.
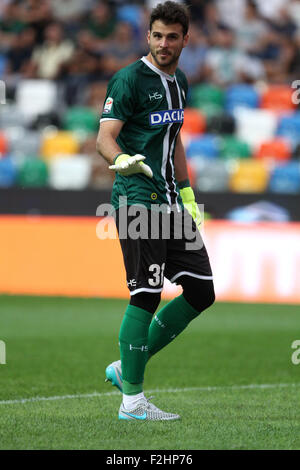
pixel 115 158
pixel 184 184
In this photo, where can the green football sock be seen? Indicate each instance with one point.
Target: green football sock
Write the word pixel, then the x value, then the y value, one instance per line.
pixel 171 320
pixel 133 339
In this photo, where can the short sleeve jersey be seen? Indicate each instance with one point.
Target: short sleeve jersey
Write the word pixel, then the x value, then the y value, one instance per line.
pixel 151 104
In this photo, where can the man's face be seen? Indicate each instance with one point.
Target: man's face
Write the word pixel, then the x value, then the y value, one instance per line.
pixel 166 43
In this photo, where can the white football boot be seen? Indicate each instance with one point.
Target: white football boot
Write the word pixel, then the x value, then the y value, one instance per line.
pixel 146 411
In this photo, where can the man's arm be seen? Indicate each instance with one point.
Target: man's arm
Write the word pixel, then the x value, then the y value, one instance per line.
pixel 118 161
pixel 106 140
pixel 181 171
pixel 186 192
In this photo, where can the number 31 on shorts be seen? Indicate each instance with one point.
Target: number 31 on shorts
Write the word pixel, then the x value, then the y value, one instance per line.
pixel 157 275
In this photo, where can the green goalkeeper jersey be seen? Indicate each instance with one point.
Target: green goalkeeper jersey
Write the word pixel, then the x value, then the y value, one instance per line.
pixel 151 105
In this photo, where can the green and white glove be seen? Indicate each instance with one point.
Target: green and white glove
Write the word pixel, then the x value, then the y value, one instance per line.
pixel 127 165
pixel 188 199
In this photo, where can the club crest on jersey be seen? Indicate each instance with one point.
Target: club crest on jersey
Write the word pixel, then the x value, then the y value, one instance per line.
pixel 166 117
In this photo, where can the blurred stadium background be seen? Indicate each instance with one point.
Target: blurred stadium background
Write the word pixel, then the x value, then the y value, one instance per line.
pixel 241 133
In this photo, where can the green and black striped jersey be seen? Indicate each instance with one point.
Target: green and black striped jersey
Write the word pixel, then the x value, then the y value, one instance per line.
pixel 151 104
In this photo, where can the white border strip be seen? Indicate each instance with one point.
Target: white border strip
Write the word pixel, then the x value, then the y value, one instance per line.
pixel 156 390
pixel 110 119
pixel 157 70
pixel 145 289
pixel 187 273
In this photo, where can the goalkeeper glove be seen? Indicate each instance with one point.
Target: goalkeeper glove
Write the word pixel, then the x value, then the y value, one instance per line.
pixel 127 165
pixel 188 199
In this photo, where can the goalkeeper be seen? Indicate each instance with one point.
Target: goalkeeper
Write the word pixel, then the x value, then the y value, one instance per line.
pixel 139 136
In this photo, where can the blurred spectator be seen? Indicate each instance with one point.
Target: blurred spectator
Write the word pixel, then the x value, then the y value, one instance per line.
pixel 251 30
pixel 19 54
pixel 285 25
pixel 198 10
pixel 231 12
pixel 291 57
pixel 193 55
pixel 293 8
pixel 270 9
pixel 72 14
pixel 212 19
pixel 270 45
pixel 83 67
pixel 37 15
pixel 3 5
pixel 101 23
pixel 225 64
pixel 48 59
pixel 121 51
pixel 10 25
pixel 71 10
pixel 96 96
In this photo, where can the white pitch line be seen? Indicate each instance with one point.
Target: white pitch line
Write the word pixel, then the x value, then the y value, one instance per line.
pixel 157 390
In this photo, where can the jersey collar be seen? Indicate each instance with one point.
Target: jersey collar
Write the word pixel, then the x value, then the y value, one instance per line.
pixel 156 70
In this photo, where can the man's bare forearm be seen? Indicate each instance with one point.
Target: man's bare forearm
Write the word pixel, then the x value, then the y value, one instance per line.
pixel 108 148
pixel 181 171
pixel 106 144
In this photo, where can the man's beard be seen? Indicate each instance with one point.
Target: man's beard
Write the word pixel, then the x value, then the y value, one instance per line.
pixel 172 59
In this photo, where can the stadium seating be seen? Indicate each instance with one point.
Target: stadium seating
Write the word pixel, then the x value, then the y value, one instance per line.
pixel 34 97
pixel 222 130
pixel 33 173
pixel 255 125
pixel 203 146
pixel 276 150
pixel 208 98
pixel 23 142
pixel 241 95
pixel 11 116
pixel 289 128
pixel 285 178
pixel 249 176
pixel 3 62
pixel 82 119
pixel 47 119
pixel 191 174
pixel 8 172
pixel 211 175
pixel 194 121
pixel 3 144
pixel 278 98
pixel 131 14
pixel 232 147
pixel 220 124
pixel 296 152
pixel 59 143
pixel 70 173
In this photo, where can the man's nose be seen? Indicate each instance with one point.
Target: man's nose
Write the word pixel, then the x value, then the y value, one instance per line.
pixel 164 43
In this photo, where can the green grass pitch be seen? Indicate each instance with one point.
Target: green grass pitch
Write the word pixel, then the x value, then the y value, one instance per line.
pixel 229 375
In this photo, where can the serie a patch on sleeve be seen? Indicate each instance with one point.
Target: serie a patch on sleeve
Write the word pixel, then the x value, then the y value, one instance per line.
pixel 108 105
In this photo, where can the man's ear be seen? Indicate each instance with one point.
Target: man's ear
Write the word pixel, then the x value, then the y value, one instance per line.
pixel 186 40
pixel 148 36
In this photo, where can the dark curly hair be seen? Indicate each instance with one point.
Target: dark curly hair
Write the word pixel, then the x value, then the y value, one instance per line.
pixel 170 13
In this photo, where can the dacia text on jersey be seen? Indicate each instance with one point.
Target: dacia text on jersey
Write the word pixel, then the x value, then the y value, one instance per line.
pixel 166 117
